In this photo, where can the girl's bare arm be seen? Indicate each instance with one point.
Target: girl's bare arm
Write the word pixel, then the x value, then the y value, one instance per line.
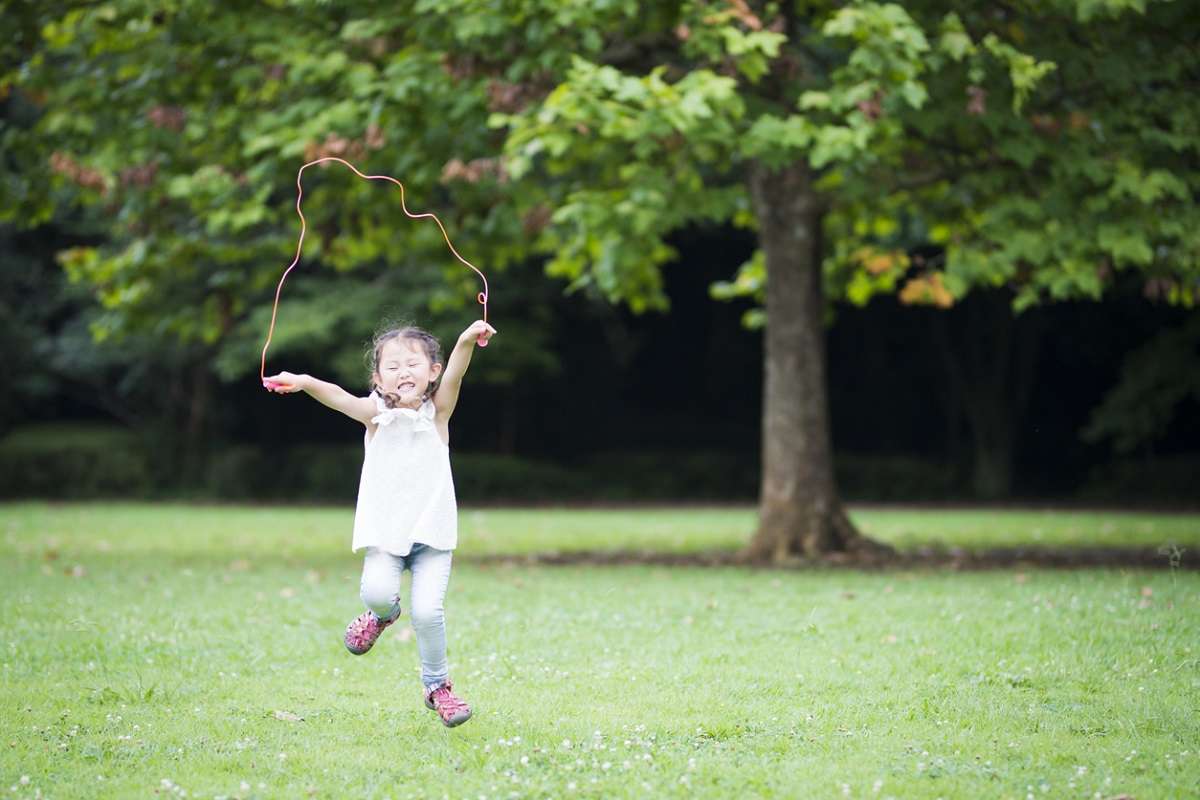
pixel 329 394
pixel 446 397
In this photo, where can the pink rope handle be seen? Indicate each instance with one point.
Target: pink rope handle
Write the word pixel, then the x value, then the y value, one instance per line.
pixel 482 297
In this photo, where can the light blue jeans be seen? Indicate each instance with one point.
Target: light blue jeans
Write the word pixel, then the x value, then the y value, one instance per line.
pixel 380 591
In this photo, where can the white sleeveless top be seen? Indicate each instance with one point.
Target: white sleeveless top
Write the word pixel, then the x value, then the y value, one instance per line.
pixel 406 492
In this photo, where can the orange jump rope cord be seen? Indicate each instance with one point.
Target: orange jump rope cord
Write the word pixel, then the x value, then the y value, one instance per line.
pixel 482 297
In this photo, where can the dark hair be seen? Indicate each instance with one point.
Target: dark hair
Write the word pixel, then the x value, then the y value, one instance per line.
pixel 410 333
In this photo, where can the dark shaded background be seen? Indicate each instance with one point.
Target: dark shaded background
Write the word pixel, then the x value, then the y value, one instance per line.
pixel 667 406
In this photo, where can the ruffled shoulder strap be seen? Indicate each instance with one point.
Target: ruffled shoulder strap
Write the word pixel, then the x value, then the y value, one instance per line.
pixel 422 418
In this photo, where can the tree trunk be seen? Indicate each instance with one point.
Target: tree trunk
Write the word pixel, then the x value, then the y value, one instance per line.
pixel 196 447
pixel 800 514
pixel 990 359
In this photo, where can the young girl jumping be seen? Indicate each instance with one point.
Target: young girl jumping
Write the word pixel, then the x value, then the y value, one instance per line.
pixel 406 517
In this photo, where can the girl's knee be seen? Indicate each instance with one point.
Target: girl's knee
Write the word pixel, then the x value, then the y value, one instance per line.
pixel 425 617
pixel 380 598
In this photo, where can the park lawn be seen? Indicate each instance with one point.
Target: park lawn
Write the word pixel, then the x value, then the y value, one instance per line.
pixel 173 649
pixel 190 531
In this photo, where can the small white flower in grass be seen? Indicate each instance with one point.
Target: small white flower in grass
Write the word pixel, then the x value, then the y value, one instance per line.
pixel 24 780
pixel 605 766
pixel 876 786
pixel 566 744
pixel 845 790
pixel 524 760
pixel 245 787
pixel 571 786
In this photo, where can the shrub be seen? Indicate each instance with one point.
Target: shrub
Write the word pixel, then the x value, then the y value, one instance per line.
pixel 74 461
pixel 1161 481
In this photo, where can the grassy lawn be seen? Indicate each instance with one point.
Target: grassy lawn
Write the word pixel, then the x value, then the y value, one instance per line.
pixel 187 532
pixel 197 651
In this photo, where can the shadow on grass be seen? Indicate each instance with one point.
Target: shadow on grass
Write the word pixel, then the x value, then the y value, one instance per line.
pixel 951 558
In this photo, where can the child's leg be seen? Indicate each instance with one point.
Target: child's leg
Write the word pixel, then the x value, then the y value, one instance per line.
pixel 380 586
pixel 430 577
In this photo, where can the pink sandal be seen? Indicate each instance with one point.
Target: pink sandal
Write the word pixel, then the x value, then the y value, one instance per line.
pixel 363 630
pixel 453 710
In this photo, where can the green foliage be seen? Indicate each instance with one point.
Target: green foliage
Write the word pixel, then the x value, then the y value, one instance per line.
pixel 1049 155
pixel 1046 147
pixel 750 281
pixel 1084 173
pixel 1156 379
pixel 1144 482
pixel 73 461
pixel 646 145
pixel 189 167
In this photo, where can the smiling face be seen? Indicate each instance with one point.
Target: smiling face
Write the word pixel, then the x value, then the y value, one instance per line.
pixel 403 368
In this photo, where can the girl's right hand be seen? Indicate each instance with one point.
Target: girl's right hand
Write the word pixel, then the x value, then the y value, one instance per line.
pixel 284 383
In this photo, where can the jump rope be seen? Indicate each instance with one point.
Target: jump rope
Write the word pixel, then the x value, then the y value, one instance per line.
pixel 482 297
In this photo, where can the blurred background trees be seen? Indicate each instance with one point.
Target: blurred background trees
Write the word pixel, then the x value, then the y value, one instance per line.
pixel 974 176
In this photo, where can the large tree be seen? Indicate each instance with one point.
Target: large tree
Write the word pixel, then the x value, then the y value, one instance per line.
pixel 843 133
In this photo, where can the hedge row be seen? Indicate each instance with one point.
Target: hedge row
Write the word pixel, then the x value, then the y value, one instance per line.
pixel 68 462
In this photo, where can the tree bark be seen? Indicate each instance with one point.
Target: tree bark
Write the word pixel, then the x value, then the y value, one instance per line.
pixel 990 359
pixel 196 447
pixel 800 514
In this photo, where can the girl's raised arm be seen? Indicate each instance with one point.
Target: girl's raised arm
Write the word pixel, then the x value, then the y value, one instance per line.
pixel 446 397
pixel 329 394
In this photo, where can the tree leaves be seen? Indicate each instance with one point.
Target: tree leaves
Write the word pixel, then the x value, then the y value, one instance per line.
pixel 616 124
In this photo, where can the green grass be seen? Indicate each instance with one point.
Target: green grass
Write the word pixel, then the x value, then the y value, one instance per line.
pixel 187 531
pixel 148 648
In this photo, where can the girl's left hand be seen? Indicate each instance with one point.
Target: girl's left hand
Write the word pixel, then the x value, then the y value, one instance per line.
pixel 480 331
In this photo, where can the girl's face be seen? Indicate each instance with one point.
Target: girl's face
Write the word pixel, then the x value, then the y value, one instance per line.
pixel 404 369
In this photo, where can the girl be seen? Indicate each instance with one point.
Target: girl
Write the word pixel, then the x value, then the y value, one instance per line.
pixel 406 517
